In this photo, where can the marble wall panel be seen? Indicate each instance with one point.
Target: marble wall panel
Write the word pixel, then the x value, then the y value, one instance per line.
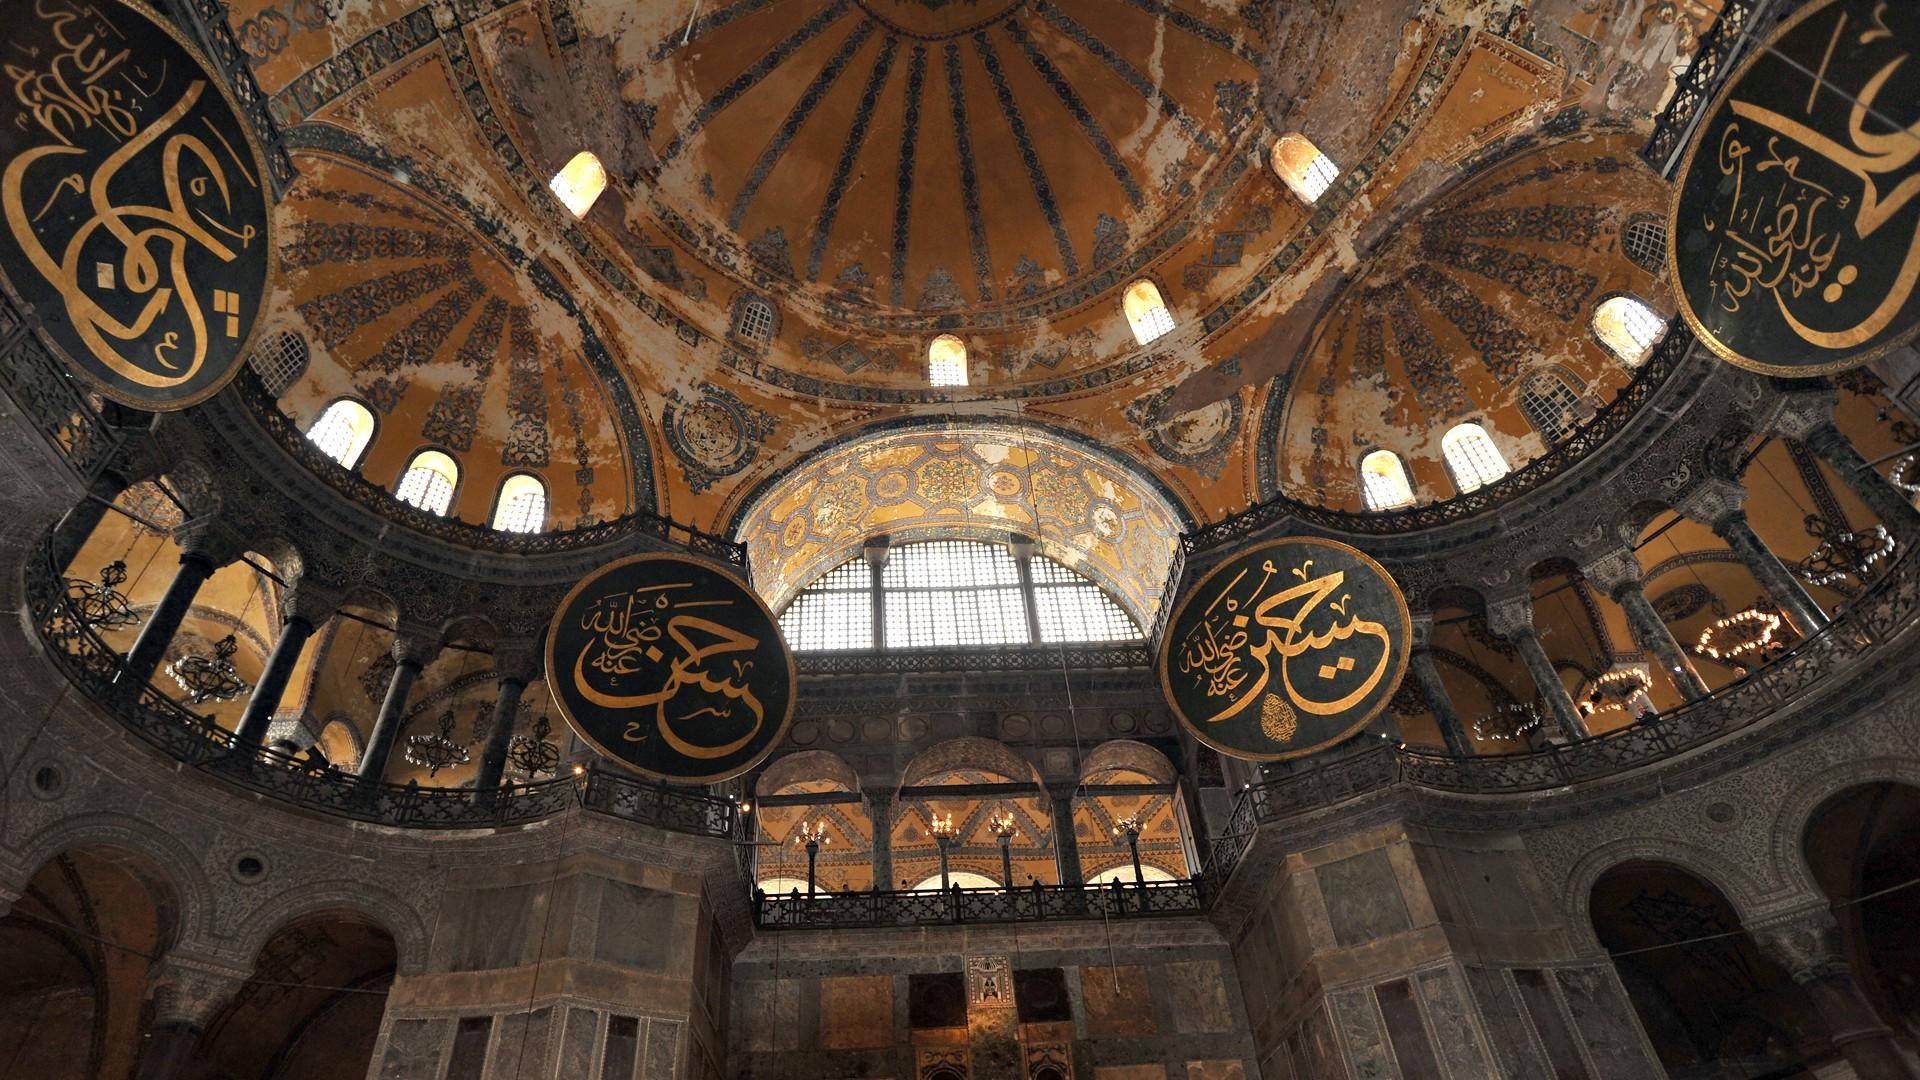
pixel 490 929
pixel 1453 1028
pixel 1606 1022
pixel 1556 1036
pixel 1360 1034
pixel 1197 992
pixel 1117 999
pixel 768 1013
pixel 520 1046
pixel 1363 898
pixel 663 1049
pixel 1130 1072
pixel 1216 1070
pixel 1411 1046
pixel 856 1012
pixel 634 926
pixel 1315 1048
pixel 414 1048
pixel 576 1043
pixel 1506 1028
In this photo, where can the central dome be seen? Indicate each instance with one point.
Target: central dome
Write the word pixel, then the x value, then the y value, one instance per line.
pixel 896 159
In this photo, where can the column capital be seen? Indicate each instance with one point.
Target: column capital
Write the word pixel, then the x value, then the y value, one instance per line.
pixel 1714 502
pixel 1808 943
pixel 1612 570
pixel 414 648
pixel 1800 413
pixel 880 797
pixel 1422 624
pixel 310 602
pixel 190 990
pixel 206 538
pixel 519 659
pixel 1509 616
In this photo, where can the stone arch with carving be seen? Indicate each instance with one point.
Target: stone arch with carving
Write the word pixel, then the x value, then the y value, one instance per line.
pixel 971 752
pixel 168 868
pixel 1576 891
pixel 358 899
pixel 819 765
pixel 1788 831
pixel 1119 754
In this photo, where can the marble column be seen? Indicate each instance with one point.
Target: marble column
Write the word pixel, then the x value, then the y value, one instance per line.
pixel 1810 946
pixel 1808 417
pixel 1617 573
pixel 410 655
pixel 1718 503
pixel 70 533
pixel 515 665
pixel 302 612
pixel 1512 619
pixel 1427 677
pixel 188 993
pixel 1066 844
pixel 198 561
pixel 880 813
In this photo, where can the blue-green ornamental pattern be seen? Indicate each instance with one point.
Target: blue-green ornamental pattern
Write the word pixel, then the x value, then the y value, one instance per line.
pixel 1285 649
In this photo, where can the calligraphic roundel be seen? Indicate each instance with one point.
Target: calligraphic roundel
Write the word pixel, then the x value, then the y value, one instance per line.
pixel 1285 649
pixel 1796 217
pixel 136 202
pixel 672 667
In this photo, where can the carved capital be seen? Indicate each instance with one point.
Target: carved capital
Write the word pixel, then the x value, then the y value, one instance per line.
pixel 310 601
pixel 210 539
pixel 1807 943
pixel 518 659
pixel 190 991
pixel 1799 414
pixel 416 648
pixel 1713 501
pixel 1613 570
pixel 1422 631
pixel 1510 616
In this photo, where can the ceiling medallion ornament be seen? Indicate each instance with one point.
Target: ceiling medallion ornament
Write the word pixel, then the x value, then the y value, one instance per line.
pixel 1285 649
pixel 210 678
pixel 672 667
pixel 1797 234
pixel 137 216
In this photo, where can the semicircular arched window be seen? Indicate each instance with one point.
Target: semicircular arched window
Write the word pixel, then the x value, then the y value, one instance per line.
pixel 343 431
pixel 1383 481
pixel 579 183
pixel 429 482
pixel 1628 328
pixel 1551 404
pixel 947 361
pixel 1146 312
pixel 1472 458
pixel 1306 171
pixel 280 362
pixel 522 506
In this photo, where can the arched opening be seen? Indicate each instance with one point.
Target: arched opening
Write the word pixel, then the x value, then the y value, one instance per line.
pixel 280 361
pixel 522 506
pixel 814 795
pixel 579 183
pixel 1307 172
pixel 947 361
pixel 1711 1003
pixel 1552 404
pixel 965 788
pixel 1644 241
pixel 1129 796
pixel 754 320
pixel 1863 847
pixel 429 482
pixel 1472 459
pixel 1628 328
pixel 343 431
pixel 1383 481
pixel 1146 312
pixel 957 879
pixel 313 1006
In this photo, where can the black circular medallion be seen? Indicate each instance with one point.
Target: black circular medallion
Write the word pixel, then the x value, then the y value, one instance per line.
pixel 671 666
pixel 136 202
pixel 1285 649
pixel 1795 230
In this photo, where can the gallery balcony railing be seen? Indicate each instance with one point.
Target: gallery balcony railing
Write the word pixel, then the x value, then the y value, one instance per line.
pixel 94 668
pixel 1726 43
pixel 945 907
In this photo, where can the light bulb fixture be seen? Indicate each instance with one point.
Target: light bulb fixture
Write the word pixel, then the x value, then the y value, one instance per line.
pixel 210 678
pixel 1842 552
pixel 1131 826
pixel 1741 635
pixel 811 833
pixel 100 604
pixel 942 826
pixel 1002 825
pixel 1611 691
pixel 1511 722
pixel 531 755
pixel 438 750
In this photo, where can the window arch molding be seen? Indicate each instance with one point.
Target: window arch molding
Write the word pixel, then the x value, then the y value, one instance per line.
pixel 361 427
pixel 1384 481
pixel 1627 327
pixel 1144 304
pixel 1554 402
pixel 755 321
pixel 1472 458
pixel 1306 169
pixel 423 493
pixel 517 485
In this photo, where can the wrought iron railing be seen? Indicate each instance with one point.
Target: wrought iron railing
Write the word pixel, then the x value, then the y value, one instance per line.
pixel 933 907
pixel 253 394
pixel 1722 48
pixel 95 669
pixel 50 399
pixel 1654 373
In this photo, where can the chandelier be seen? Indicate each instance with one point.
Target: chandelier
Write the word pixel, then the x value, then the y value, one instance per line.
pixel 1742 635
pixel 438 750
pixel 1512 721
pixel 531 755
pixel 100 604
pixel 1842 552
pixel 1612 690
pixel 209 678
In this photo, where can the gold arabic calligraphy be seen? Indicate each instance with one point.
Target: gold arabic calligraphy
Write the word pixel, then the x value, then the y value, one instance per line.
pixel 638 631
pixel 1783 231
pixel 1243 636
pixel 86 96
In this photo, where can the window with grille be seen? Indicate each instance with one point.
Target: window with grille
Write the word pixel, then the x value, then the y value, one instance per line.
pixel 952 592
pixel 1146 312
pixel 522 506
pixel 947 361
pixel 579 183
pixel 429 482
pixel 1472 458
pixel 1383 481
pixel 342 432
pixel 756 320
pixel 1549 404
pixel 1628 328
pixel 1307 171
pixel 1071 608
pixel 280 362
pixel 835 612
pixel 1644 241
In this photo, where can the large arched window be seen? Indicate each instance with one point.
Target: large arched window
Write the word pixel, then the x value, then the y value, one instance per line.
pixel 343 431
pixel 1472 458
pixel 1551 405
pixel 429 482
pixel 579 183
pixel 280 362
pixel 1146 312
pixel 947 361
pixel 522 506
pixel 939 593
pixel 1307 171
pixel 959 879
pixel 1383 481
pixel 1628 328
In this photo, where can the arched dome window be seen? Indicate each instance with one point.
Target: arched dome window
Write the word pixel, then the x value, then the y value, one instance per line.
pixel 429 482
pixel 959 879
pixel 522 506
pixel 1628 328
pixel 1146 312
pixel 579 183
pixel 952 592
pixel 280 362
pixel 1124 875
pixel 753 320
pixel 1307 171
pixel 835 612
pixel 343 431
pixel 1551 405
pixel 1472 458
pixel 1383 481
pixel 1071 608
pixel 947 361
pixel 1644 241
